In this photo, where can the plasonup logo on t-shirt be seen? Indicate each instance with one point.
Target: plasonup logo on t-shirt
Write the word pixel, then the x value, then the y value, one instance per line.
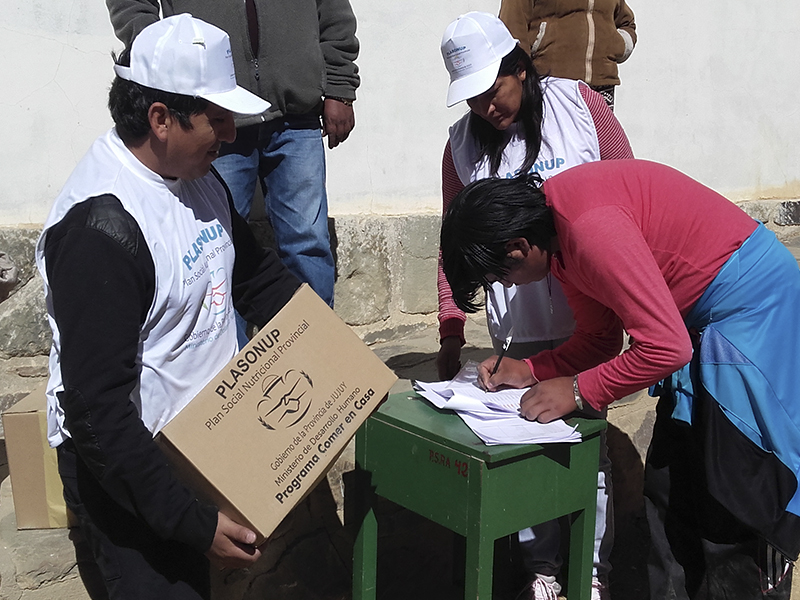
pixel 210 242
pixel 216 303
pixel 541 166
pixel 206 261
pixel 217 292
pixel 207 235
pixel 210 334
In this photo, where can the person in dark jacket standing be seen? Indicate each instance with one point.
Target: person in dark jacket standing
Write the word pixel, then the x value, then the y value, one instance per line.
pixel 143 258
pixel 299 55
pixel 574 39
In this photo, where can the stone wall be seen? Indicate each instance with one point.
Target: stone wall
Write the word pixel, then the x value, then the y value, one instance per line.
pixel 385 279
pixel 24 333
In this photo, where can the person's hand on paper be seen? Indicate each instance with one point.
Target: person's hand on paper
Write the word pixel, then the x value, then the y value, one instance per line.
pixel 448 361
pixel 510 373
pixel 548 400
pixel 232 547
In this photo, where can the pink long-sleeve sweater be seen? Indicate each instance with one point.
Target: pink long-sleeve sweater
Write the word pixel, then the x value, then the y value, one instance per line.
pixel 639 243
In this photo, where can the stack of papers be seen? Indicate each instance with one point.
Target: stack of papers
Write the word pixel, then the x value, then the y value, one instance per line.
pixel 493 416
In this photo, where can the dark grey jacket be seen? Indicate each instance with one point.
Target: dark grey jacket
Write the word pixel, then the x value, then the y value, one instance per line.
pixel 305 49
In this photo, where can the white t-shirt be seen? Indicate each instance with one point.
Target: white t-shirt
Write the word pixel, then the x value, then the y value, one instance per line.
pixel 569 138
pixel 189 333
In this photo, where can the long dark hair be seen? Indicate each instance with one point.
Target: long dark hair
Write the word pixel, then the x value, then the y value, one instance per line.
pixel 480 221
pixel 531 111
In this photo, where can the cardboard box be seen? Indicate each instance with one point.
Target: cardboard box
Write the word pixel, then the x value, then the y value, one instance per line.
pixel 35 483
pixel 268 426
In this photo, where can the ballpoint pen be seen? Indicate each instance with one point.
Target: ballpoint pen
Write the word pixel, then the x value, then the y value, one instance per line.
pixel 506 344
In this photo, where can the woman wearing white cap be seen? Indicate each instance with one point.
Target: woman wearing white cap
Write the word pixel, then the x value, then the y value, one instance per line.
pixel 519 123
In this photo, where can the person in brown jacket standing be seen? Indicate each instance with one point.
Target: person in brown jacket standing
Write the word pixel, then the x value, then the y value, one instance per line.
pixel 574 39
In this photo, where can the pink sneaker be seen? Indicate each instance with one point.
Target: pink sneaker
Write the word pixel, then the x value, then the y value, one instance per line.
pixel 600 590
pixel 544 587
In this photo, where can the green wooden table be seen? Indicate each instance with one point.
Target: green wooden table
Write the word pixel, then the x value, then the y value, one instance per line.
pixel 428 461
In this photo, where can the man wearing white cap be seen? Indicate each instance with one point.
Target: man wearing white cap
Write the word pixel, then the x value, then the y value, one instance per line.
pixel 143 258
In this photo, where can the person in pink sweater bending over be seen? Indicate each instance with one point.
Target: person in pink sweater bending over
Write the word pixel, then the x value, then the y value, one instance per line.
pixel 709 298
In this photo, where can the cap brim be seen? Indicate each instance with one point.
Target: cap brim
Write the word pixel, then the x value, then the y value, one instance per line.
pixel 239 101
pixel 472 85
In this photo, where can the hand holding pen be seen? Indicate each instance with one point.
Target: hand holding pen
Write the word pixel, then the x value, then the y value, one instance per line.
pixel 497 372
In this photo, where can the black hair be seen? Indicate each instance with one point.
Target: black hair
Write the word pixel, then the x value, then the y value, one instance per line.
pixel 480 221
pixel 129 103
pixel 531 112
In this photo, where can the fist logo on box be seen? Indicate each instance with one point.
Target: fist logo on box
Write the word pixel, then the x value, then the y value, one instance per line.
pixel 286 400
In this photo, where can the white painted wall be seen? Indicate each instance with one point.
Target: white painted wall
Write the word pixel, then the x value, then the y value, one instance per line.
pixel 710 89
pixel 55 69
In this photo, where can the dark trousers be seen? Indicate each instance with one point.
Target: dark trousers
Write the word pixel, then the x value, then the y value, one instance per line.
pixel 132 562
pixel 607 92
pixel 699 550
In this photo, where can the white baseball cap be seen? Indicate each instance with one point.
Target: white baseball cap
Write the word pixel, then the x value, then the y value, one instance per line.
pixel 187 56
pixel 472 47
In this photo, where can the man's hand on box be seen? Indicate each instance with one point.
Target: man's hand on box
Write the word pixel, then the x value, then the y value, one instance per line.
pixel 232 547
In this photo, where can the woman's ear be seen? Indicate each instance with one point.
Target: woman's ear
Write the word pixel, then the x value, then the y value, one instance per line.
pixel 517 248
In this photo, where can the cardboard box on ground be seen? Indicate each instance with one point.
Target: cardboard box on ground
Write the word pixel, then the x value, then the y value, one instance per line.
pixel 33 465
pixel 268 426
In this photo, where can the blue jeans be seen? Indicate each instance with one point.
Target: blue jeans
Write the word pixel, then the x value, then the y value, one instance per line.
pixel 288 157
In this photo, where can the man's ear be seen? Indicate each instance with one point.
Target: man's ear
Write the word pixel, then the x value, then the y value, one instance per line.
pixel 160 120
pixel 517 248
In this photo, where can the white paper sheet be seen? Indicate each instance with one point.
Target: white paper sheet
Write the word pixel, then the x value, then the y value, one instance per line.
pixel 493 416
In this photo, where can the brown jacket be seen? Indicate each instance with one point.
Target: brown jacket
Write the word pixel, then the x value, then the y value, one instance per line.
pixel 574 39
